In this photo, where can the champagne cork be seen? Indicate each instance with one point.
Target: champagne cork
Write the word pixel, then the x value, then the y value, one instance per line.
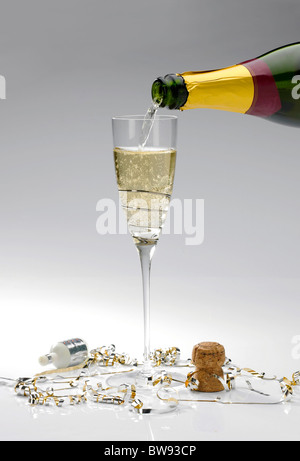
pixel 208 358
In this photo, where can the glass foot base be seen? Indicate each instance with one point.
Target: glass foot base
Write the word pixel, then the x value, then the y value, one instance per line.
pixel 146 383
pixel 147 388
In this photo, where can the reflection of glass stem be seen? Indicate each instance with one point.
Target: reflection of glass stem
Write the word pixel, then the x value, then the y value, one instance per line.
pixel 150 430
pixel 146 252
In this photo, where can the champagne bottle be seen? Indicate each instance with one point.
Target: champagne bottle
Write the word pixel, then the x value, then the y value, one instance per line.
pixel 267 86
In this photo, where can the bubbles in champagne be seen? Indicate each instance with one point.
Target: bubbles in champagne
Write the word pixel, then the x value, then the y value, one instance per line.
pixel 145 181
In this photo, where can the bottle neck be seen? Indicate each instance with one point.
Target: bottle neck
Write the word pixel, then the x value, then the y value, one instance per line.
pixel 169 91
pixel 229 89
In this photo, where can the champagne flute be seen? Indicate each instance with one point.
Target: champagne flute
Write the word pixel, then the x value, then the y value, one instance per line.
pixel 145 168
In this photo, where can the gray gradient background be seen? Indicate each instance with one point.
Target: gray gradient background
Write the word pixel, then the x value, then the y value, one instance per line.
pixel 69 67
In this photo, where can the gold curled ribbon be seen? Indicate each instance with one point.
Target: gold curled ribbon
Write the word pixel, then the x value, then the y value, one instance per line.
pixel 137 405
pixel 106 356
pixel 165 356
pixel 295 378
pixel 229 382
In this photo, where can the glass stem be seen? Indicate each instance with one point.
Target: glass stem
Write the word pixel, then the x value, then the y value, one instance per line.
pixel 146 252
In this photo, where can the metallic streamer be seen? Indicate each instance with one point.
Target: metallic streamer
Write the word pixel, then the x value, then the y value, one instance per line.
pixel 81 388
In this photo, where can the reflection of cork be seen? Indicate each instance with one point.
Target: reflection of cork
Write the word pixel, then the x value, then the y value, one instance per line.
pixel 208 358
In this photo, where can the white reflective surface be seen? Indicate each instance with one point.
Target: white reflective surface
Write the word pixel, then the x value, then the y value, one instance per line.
pixel 245 315
pixel 193 422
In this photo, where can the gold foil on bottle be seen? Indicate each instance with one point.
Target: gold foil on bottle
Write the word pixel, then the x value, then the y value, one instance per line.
pixel 230 89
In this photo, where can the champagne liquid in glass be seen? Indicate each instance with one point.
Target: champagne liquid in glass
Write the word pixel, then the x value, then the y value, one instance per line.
pixel 145 181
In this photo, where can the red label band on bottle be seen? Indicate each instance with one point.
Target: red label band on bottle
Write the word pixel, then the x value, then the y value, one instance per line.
pixel 266 100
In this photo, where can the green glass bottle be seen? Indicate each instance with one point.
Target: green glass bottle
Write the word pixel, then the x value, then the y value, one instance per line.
pixel 267 86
